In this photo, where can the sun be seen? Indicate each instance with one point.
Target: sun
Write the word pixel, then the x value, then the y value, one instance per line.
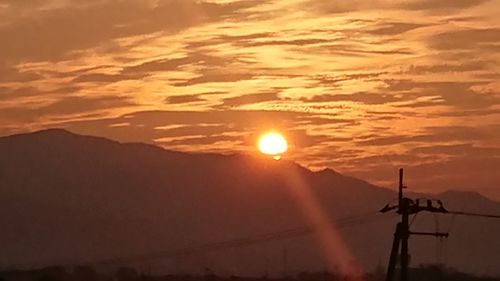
pixel 273 144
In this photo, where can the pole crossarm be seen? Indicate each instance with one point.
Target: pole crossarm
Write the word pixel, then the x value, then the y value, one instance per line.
pixel 436 234
pixel 417 206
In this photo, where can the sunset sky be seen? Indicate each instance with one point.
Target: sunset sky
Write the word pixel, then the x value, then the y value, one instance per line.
pixel 360 86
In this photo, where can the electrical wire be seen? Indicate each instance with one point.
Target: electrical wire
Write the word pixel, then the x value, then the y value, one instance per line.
pixel 240 242
pixel 492 216
pixel 413 219
pixel 258 239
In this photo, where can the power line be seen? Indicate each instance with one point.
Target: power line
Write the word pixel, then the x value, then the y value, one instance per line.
pixel 240 242
pixel 474 214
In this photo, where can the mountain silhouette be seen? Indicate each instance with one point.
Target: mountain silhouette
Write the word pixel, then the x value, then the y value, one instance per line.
pixel 67 198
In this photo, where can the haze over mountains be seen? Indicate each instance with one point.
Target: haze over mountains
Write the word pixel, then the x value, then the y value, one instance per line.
pixel 68 198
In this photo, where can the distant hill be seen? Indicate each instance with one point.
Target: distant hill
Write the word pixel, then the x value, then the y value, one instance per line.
pixel 67 198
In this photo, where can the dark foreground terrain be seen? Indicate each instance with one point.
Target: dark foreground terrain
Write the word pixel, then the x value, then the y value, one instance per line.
pixel 85 273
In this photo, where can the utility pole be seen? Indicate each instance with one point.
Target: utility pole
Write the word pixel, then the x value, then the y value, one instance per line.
pixel 405 208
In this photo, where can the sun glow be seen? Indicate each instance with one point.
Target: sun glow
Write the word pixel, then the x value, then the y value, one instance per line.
pixel 273 144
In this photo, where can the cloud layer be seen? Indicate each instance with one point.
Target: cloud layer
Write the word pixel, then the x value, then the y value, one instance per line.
pixel 363 87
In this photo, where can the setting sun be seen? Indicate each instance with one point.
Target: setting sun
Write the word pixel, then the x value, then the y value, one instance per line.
pixel 273 144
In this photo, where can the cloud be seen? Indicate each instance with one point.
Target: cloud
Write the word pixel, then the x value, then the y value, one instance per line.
pixel 192 57
pixel 467 39
pixel 466 149
pixel 195 130
pixel 104 78
pixel 183 99
pixel 339 6
pixel 10 74
pixel 440 5
pixel 203 60
pixel 455 93
pixel 232 118
pixel 216 76
pixel 366 98
pixel 277 42
pixel 474 65
pixel 200 141
pixel 250 99
pixel 51 34
pixel 66 106
pixel 469 113
pixel 7 93
pixel 13 93
pixel 394 28
pixel 439 134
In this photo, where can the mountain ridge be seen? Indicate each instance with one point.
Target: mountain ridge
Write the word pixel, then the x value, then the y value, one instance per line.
pixel 60 132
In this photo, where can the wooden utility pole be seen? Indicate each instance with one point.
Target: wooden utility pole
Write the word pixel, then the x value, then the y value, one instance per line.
pixel 405 208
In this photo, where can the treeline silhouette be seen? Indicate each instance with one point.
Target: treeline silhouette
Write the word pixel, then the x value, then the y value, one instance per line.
pixel 87 273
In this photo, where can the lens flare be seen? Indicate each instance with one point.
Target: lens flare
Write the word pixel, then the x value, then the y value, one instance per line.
pixel 333 244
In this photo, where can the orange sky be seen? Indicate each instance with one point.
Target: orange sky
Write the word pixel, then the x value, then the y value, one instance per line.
pixel 360 86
